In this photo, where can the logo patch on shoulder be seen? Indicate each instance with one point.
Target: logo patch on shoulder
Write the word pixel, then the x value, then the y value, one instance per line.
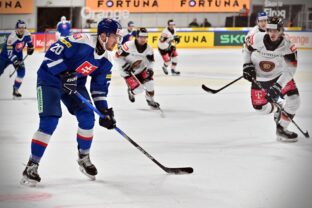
pixel 86 68
pixel 293 48
pixel 19 46
pixel 77 36
pixel 266 66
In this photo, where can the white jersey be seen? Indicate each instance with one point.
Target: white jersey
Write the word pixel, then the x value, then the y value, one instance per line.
pixel 271 64
pixel 166 38
pixel 128 55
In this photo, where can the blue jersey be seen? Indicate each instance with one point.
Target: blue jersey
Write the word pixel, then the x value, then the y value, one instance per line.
pixel 129 36
pixel 15 45
pixel 77 53
pixel 63 28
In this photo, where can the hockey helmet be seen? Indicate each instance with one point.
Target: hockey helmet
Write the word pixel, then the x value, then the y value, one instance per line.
pixel 142 32
pixel 109 26
pixel 171 22
pixel 262 16
pixel 275 23
pixel 20 24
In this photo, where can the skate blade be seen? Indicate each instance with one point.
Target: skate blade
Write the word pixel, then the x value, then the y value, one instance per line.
pixel 17 98
pixel 28 182
pixel 282 139
pixel 91 177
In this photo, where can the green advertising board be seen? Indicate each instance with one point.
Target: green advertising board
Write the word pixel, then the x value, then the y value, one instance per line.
pixel 229 38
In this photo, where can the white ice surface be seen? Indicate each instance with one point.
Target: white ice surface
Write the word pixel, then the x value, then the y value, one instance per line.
pixel 236 159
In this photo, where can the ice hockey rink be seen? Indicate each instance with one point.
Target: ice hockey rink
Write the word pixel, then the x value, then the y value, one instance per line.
pixel 236 159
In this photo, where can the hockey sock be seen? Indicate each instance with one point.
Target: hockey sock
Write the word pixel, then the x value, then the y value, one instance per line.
pixel 84 139
pixel 39 143
pixel 17 83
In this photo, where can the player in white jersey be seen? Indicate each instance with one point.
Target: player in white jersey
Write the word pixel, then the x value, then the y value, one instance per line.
pixel 271 59
pixel 261 24
pixel 136 60
pixel 167 48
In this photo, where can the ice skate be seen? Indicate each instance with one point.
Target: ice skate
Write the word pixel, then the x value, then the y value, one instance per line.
pixel 30 174
pixel 131 96
pixel 285 135
pixel 174 72
pixel 16 94
pixel 153 104
pixel 86 167
pixel 164 68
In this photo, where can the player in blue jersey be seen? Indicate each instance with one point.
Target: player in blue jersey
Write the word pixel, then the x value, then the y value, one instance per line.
pixel 63 28
pixel 12 53
pixel 128 34
pixel 64 72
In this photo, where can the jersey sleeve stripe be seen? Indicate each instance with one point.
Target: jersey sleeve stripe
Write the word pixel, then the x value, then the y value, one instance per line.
pixel 54 63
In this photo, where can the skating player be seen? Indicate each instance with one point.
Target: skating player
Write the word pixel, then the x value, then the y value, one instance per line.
pixel 136 59
pixel 64 72
pixel 167 48
pixel 271 59
pixel 63 28
pixel 12 53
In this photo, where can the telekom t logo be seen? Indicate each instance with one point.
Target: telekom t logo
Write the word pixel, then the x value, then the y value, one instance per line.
pixel 86 68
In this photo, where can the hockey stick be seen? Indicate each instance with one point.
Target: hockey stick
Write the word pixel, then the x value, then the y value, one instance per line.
pixel 177 171
pixel 18 66
pixel 306 133
pixel 158 108
pixel 207 89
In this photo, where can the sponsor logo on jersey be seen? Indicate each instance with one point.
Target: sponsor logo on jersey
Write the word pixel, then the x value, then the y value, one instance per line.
pixel 19 46
pixel 86 68
pixel 77 36
pixel 266 66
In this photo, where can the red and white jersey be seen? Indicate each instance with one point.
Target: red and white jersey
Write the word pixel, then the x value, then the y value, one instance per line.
pixel 129 55
pixel 270 64
pixel 166 38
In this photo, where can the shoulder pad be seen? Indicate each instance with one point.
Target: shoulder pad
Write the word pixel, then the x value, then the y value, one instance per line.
pixel 11 38
pixel 81 38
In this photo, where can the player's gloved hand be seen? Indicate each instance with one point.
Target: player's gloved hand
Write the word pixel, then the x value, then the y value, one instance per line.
pixel 177 39
pixel 30 50
pixel 150 73
pixel 273 92
pixel 108 121
pixel 69 82
pixel 15 61
pixel 172 48
pixel 249 72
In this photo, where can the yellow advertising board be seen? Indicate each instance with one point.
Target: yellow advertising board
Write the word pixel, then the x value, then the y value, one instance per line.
pixel 187 39
pixel 16 6
pixel 157 6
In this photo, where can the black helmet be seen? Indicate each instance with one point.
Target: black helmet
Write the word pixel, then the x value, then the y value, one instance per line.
pixel 142 32
pixel 275 23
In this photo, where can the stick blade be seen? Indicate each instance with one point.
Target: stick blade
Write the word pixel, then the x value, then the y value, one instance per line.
pixel 179 171
pixel 306 134
pixel 207 89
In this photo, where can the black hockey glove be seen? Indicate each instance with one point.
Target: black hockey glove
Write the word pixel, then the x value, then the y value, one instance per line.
pixel 30 50
pixel 177 39
pixel 273 92
pixel 150 73
pixel 69 82
pixel 249 72
pixel 109 121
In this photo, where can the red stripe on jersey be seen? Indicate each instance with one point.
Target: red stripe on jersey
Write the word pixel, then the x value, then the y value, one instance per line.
pixel 39 142
pixel 84 138
pixel 293 63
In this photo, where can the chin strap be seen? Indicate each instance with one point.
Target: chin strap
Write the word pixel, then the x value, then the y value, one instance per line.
pixel 103 44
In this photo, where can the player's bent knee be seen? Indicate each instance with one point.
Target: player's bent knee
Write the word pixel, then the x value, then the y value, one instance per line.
pixel 149 85
pixel 48 124
pixel 138 90
pixel 292 104
pixel 85 118
pixel 264 109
